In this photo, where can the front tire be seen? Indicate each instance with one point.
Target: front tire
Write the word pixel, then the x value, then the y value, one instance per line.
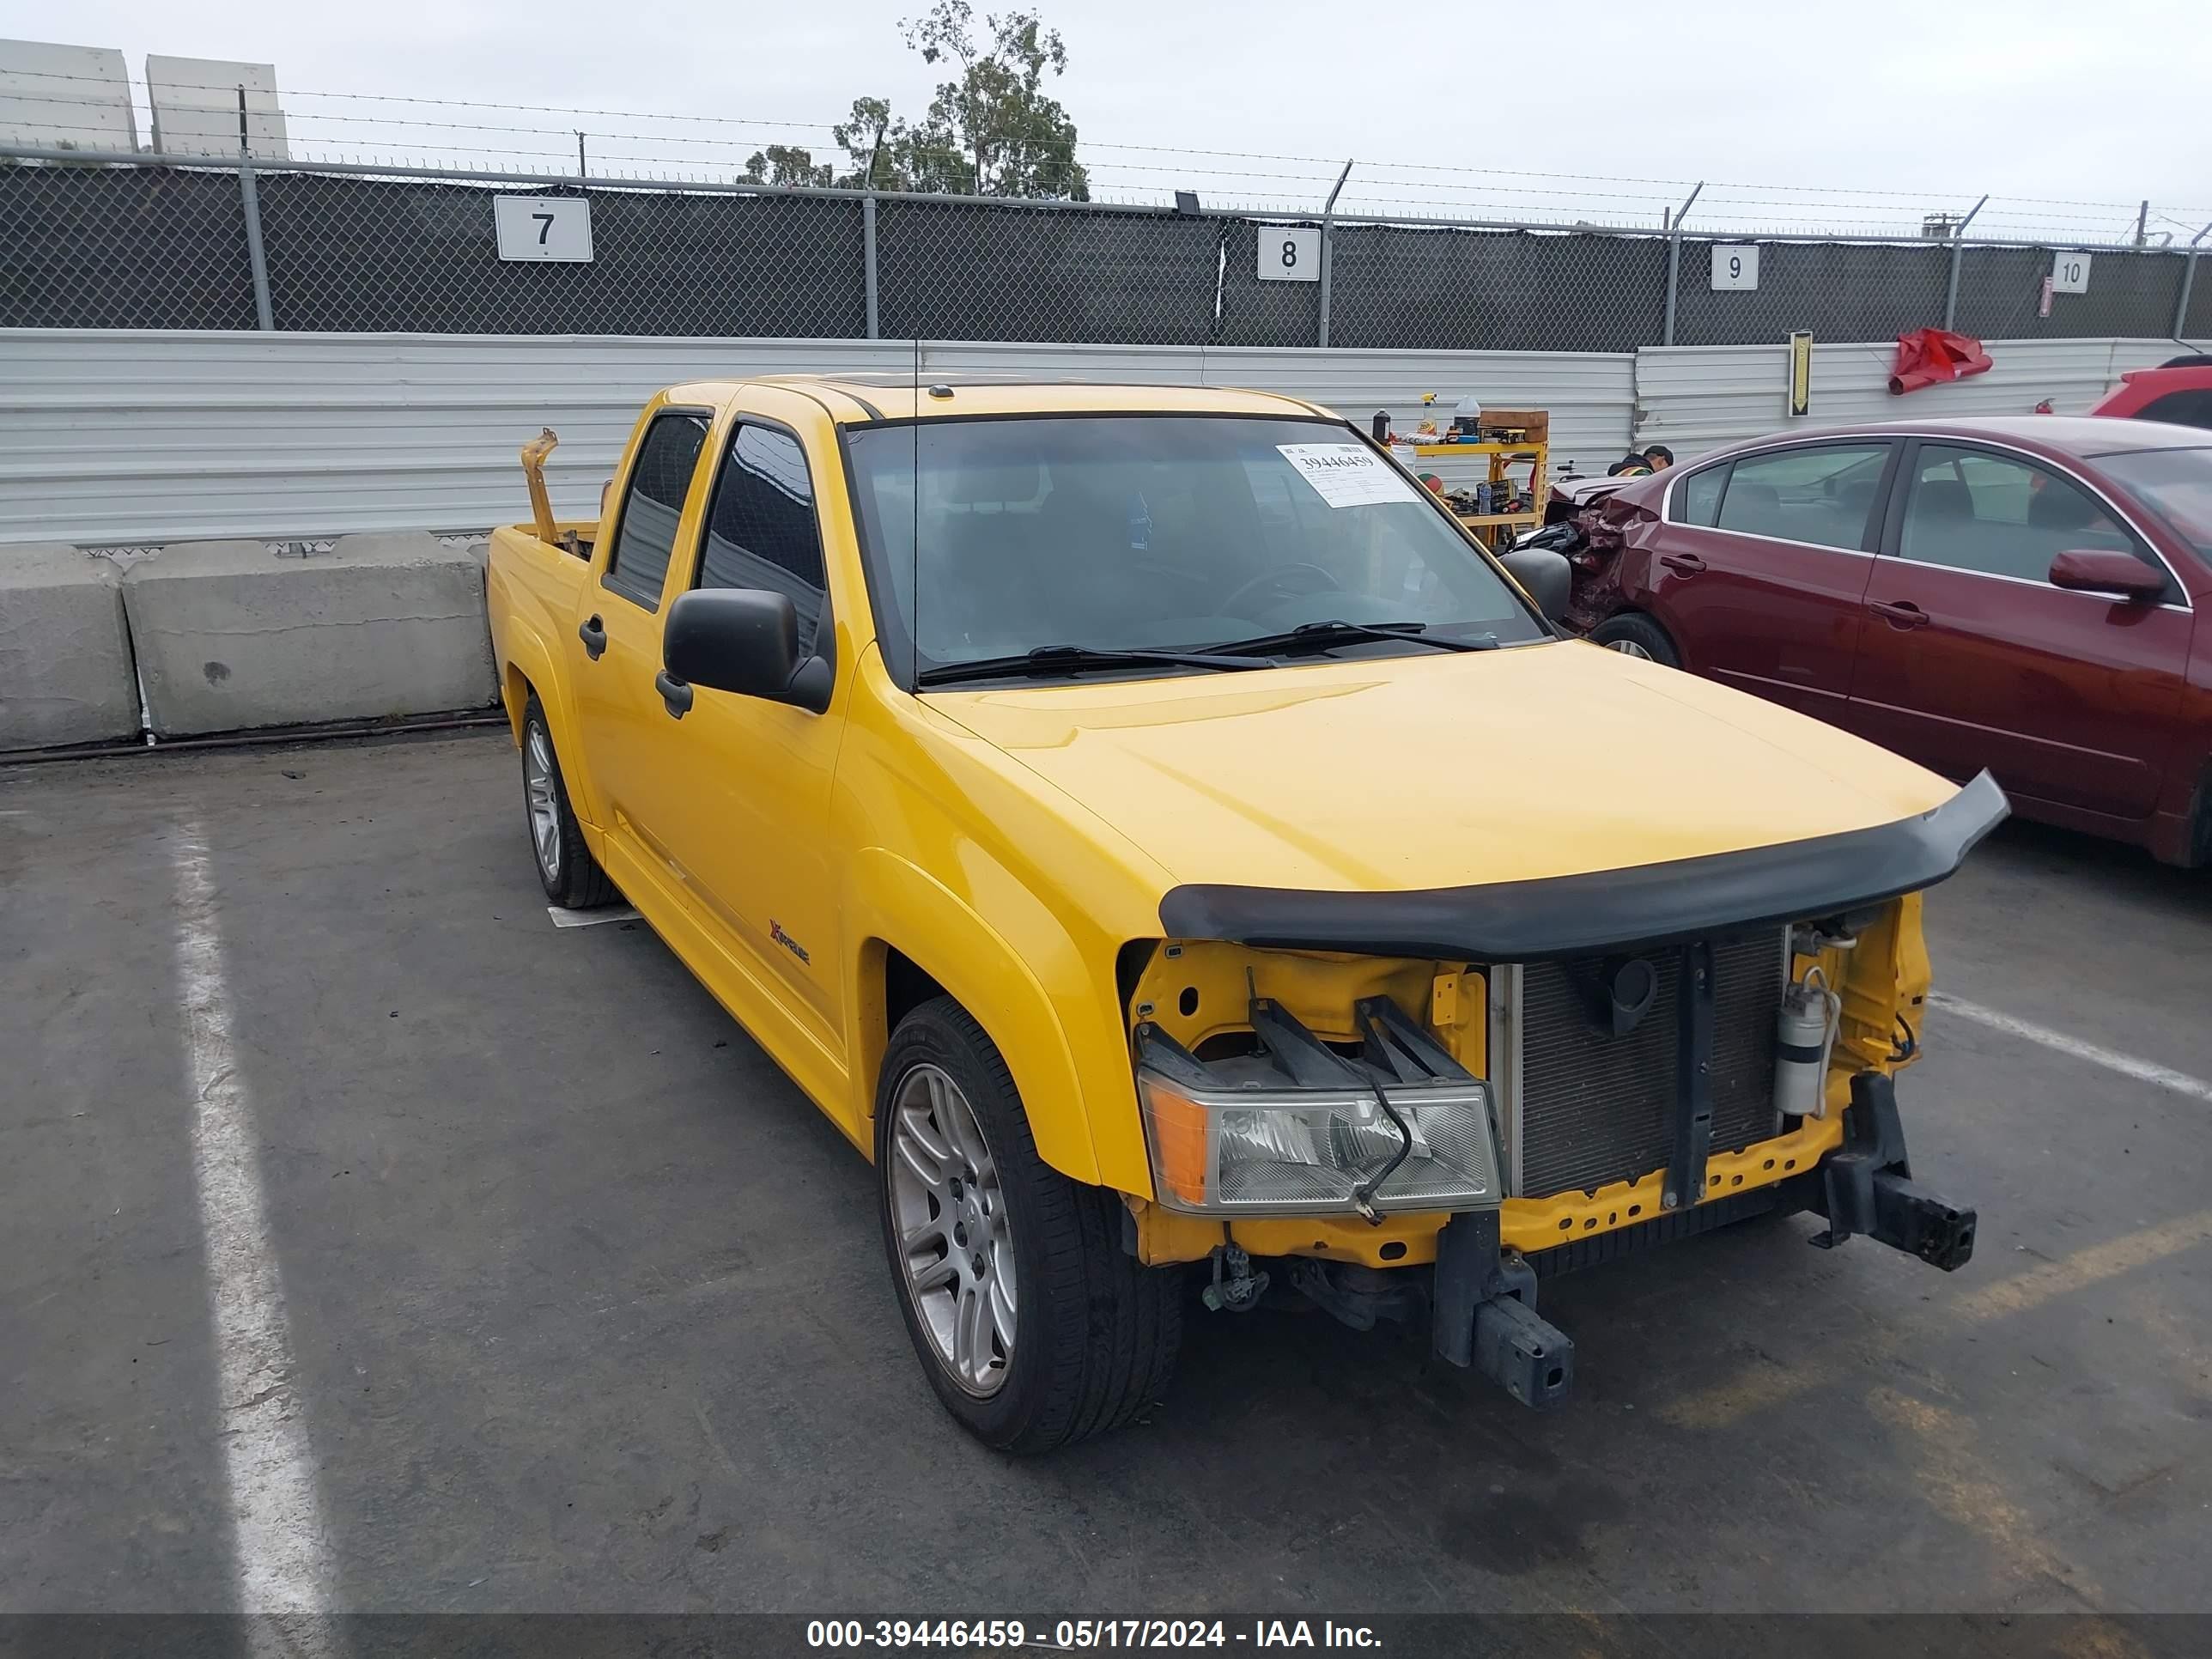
pixel 1033 1324
pixel 566 869
pixel 1635 634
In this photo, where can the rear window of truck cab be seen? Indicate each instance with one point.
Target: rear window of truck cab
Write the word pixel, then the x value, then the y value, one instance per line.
pixel 991 536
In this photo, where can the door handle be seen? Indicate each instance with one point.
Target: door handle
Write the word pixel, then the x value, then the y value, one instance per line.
pixel 593 633
pixel 1688 564
pixel 674 693
pixel 1902 613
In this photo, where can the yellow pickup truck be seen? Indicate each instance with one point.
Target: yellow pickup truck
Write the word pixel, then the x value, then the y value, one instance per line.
pixel 1172 850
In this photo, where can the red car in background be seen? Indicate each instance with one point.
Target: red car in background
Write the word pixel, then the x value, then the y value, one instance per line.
pixel 2179 390
pixel 2019 593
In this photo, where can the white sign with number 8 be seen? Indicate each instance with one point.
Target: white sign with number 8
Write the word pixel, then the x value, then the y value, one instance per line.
pixel 544 227
pixel 1289 254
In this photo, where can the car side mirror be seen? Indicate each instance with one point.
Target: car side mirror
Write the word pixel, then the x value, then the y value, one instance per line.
pixel 1545 575
pixel 2106 570
pixel 743 640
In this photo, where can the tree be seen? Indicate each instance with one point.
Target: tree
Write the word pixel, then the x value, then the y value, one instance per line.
pixel 992 132
pixel 781 164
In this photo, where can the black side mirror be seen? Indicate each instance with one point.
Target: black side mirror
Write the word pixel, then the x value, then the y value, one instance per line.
pixel 743 640
pixel 1546 575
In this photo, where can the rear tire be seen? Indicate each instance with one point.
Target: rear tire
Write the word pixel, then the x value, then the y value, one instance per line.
pixel 1070 1336
pixel 566 869
pixel 1635 634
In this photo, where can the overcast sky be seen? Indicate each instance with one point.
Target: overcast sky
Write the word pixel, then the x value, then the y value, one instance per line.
pixel 1916 98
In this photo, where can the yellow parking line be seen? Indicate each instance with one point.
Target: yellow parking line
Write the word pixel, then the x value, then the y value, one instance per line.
pixel 2085 1268
pixel 1768 1384
pixel 1951 1475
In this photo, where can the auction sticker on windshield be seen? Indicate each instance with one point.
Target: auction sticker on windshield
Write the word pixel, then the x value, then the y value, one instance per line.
pixel 1346 475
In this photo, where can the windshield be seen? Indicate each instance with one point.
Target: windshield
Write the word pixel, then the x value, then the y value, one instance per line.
pixel 999 537
pixel 2174 484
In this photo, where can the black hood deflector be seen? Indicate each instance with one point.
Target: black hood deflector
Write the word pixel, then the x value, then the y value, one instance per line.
pixel 1635 908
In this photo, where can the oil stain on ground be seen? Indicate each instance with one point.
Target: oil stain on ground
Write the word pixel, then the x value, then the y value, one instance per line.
pixel 1516 1529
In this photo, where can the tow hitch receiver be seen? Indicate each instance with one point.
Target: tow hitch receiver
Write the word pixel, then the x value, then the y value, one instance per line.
pixel 1868 1187
pixel 1484 1315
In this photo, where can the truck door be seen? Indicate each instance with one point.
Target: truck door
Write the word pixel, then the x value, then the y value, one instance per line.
pixel 745 810
pixel 625 734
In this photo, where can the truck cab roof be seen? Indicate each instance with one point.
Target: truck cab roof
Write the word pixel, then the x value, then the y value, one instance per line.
pixel 887 395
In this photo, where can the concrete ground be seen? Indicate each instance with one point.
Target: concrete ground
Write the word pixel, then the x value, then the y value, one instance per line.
pixel 587 1309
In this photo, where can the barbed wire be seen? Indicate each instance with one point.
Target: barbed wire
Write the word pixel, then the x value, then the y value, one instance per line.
pixel 1562 200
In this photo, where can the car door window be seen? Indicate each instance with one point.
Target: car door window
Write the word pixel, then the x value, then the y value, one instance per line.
pixel 1821 493
pixel 1698 497
pixel 1971 509
pixel 2192 407
pixel 653 504
pixel 761 531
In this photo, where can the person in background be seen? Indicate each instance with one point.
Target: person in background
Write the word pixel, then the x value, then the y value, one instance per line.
pixel 1641 462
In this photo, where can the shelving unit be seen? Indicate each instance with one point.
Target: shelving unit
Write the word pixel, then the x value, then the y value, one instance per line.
pixel 1533 452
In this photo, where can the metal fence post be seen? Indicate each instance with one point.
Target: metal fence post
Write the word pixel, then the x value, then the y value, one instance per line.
pixel 1327 218
pixel 1675 263
pixel 868 259
pixel 1958 253
pixel 2188 282
pixel 249 202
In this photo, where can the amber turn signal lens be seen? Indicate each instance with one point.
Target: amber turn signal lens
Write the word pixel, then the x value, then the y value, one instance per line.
pixel 1179 1130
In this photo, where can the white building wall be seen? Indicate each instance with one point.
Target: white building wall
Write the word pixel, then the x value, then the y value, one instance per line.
pixel 115 436
pixel 1693 398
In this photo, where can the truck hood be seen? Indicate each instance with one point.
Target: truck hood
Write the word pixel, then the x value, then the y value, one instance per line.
pixel 1406 774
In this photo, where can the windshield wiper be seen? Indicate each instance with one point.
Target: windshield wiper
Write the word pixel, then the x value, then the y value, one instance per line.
pixel 1319 635
pixel 1068 658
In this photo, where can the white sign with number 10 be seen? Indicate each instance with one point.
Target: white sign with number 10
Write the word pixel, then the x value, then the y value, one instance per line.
pixel 1289 254
pixel 539 228
pixel 2069 272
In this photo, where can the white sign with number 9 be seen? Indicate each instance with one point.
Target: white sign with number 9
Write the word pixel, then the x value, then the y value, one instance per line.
pixel 1735 265
pixel 544 227
pixel 1289 254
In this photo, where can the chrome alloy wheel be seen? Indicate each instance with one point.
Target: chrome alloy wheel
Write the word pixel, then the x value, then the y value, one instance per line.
pixel 538 796
pixel 1630 648
pixel 953 1241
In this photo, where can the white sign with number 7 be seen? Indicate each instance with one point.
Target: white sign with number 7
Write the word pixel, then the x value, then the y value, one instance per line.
pixel 544 227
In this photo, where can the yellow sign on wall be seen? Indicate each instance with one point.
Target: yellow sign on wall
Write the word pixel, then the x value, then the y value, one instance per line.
pixel 1800 372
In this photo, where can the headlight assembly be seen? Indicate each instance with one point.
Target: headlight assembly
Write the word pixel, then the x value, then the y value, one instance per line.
pixel 1299 1129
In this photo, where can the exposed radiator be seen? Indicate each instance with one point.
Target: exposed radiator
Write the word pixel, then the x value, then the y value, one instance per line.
pixel 1595 1108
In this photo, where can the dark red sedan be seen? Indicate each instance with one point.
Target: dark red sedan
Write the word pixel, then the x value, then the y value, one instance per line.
pixel 2019 593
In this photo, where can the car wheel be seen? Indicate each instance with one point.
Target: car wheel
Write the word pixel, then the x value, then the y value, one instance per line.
pixel 566 869
pixel 1635 634
pixel 1036 1328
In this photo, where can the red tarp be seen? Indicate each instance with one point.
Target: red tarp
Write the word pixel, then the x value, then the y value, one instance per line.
pixel 1933 356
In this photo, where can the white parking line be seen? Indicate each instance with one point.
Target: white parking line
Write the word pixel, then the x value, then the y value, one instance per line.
pixel 2143 1071
pixel 279 1546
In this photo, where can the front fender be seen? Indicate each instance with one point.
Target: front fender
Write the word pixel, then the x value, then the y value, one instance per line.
pixel 894 902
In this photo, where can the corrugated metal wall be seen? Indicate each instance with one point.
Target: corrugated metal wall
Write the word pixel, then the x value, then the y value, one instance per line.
pixel 119 436
pixel 1693 398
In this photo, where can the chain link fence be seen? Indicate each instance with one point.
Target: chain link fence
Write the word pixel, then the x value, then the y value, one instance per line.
pixel 88 243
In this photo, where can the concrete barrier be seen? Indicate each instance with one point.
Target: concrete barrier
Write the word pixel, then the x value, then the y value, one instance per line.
pixel 64 652
pixel 231 636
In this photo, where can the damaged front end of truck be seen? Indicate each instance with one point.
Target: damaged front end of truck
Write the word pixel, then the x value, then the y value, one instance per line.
pixel 1418 1106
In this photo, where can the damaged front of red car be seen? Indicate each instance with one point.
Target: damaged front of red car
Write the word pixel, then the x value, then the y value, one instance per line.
pixel 1589 522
